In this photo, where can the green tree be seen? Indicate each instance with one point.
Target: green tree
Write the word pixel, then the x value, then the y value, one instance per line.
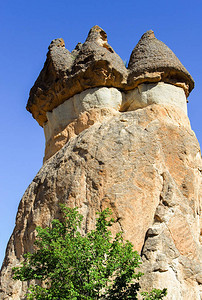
pixel 68 265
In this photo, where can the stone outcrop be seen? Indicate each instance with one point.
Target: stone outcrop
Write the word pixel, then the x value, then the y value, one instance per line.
pixel 95 64
pixel 46 93
pixel 65 74
pixel 78 113
pixel 83 110
pixel 131 150
pixel 152 61
pixel 146 166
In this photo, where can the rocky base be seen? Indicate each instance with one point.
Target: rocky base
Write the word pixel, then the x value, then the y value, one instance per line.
pixel 146 166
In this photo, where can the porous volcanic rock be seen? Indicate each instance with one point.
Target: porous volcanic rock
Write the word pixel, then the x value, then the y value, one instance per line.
pixel 95 64
pixel 152 61
pixel 50 85
pixel 146 166
pixel 65 74
pixel 99 63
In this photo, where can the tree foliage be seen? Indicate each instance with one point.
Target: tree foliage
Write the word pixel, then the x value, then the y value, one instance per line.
pixel 69 265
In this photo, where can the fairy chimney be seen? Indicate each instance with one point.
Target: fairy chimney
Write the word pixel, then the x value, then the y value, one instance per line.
pixel 117 137
pixel 90 65
pixel 152 61
pixel 71 86
pixel 156 75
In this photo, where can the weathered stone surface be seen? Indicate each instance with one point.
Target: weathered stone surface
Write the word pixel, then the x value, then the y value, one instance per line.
pixel 89 99
pixel 146 166
pixel 159 93
pixel 170 254
pixel 92 105
pixel 92 64
pixel 152 61
pixel 95 64
pixel 78 113
pixel 85 120
pixel 49 87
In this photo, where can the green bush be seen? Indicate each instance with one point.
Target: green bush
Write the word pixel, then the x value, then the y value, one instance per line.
pixel 68 265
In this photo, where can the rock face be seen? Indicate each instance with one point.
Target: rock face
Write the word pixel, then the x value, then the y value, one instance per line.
pixel 152 61
pixel 146 166
pixel 79 113
pixel 83 110
pixel 132 151
pixel 95 64
pixel 65 74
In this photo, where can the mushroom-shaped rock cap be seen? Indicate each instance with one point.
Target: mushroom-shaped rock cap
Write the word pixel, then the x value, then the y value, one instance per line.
pixel 65 74
pixel 152 61
pixel 44 95
pixel 101 64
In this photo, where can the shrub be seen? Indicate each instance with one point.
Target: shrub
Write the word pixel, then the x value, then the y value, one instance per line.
pixel 68 265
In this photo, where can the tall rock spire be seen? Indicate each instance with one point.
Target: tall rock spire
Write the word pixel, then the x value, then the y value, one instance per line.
pixel 117 138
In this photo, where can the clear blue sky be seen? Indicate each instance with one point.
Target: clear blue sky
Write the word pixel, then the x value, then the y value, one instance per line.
pixel 27 28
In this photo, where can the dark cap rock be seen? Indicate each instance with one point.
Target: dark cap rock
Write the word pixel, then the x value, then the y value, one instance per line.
pixel 65 74
pixel 45 94
pixel 152 61
pixel 95 64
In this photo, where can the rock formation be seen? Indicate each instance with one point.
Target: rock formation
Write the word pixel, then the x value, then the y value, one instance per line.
pixel 117 137
pixel 152 61
pixel 66 74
